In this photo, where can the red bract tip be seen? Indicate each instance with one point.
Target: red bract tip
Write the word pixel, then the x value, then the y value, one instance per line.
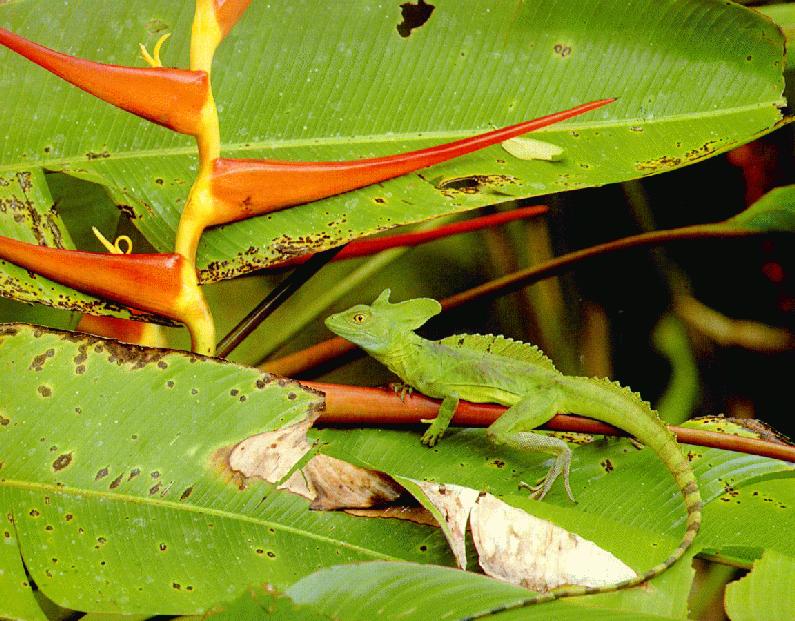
pixel 164 284
pixel 149 282
pixel 244 188
pixel 227 12
pixel 173 98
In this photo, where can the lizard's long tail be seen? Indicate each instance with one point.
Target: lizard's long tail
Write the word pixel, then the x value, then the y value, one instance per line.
pixel 686 481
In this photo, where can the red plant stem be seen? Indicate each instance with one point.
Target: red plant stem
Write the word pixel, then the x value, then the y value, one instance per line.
pixel 228 12
pixel 243 188
pixel 149 282
pixel 368 247
pixel 173 98
pixel 326 351
pixel 365 407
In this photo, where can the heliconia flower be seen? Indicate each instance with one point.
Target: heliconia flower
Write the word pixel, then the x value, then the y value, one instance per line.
pixel 164 284
pixel 170 97
pixel 125 330
pixel 212 21
pixel 228 12
pixel 243 188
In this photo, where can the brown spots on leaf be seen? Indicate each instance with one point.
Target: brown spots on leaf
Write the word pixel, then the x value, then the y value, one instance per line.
pixel 154 489
pixel 24 181
pixel 668 162
pixel 34 513
pixel 186 493
pixel 44 390
pixel 133 355
pixel 607 465
pixel 82 354
pixel 68 517
pixel 4 421
pixel 155 474
pixel 98 155
pixel 101 541
pixel 116 482
pixel 163 547
pixel 62 461
pixel 562 50
pixel 101 474
pixel 134 473
pixel 127 210
pixel 37 364
pixel 472 184
pixel 414 15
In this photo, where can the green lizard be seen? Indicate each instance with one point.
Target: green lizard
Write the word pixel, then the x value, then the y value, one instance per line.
pixel 495 369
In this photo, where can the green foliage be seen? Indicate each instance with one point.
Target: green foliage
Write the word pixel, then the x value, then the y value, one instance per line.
pixel 766 593
pixel 102 482
pixel 774 212
pixel 418 592
pixel 311 105
pixel 110 462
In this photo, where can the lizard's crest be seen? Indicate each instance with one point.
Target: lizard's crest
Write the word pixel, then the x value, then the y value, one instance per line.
pixel 377 326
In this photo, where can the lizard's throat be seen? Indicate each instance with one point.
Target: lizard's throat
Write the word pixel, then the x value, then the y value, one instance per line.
pixel 397 357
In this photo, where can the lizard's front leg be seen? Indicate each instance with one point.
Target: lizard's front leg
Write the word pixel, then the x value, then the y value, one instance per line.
pixel 442 421
pixel 513 428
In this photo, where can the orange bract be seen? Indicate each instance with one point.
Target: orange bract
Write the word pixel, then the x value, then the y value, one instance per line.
pixel 173 98
pixel 243 188
pixel 227 12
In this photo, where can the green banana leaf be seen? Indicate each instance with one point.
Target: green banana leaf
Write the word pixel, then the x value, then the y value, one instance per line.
pixel 765 592
pixel 296 81
pixel 27 213
pixel 627 503
pixel 412 592
pixel 117 496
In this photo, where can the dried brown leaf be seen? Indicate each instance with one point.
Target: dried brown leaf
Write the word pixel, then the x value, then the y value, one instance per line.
pixel 525 550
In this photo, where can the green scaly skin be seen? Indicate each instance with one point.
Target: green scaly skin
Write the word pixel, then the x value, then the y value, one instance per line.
pixel 490 369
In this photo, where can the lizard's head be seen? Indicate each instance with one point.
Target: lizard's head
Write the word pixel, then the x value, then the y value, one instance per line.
pixel 375 327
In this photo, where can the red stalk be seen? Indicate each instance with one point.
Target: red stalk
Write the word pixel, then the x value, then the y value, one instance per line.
pixel 149 282
pixel 228 12
pixel 367 407
pixel 368 247
pixel 173 98
pixel 244 188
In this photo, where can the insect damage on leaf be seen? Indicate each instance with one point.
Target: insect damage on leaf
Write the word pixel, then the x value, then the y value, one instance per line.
pixel 414 16
pixel 450 505
pixel 525 550
pixel 328 482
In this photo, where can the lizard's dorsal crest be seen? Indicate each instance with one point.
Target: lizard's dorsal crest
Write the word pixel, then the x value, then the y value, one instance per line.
pixel 409 315
pixel 623 391
pixel 500 346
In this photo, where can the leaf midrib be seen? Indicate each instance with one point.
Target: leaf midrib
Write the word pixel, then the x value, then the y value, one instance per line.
pixel 391 137
pixel 116 497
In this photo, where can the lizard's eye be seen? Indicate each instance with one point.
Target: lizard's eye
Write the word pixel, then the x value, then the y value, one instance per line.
pixel 359 318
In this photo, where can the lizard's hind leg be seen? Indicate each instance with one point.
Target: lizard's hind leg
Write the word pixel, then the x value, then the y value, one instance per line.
pixel 513 428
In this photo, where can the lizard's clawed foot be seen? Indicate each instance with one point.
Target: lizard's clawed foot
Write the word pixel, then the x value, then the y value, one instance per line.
pixel 433 434
pixel 401 389
pixel 544 484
